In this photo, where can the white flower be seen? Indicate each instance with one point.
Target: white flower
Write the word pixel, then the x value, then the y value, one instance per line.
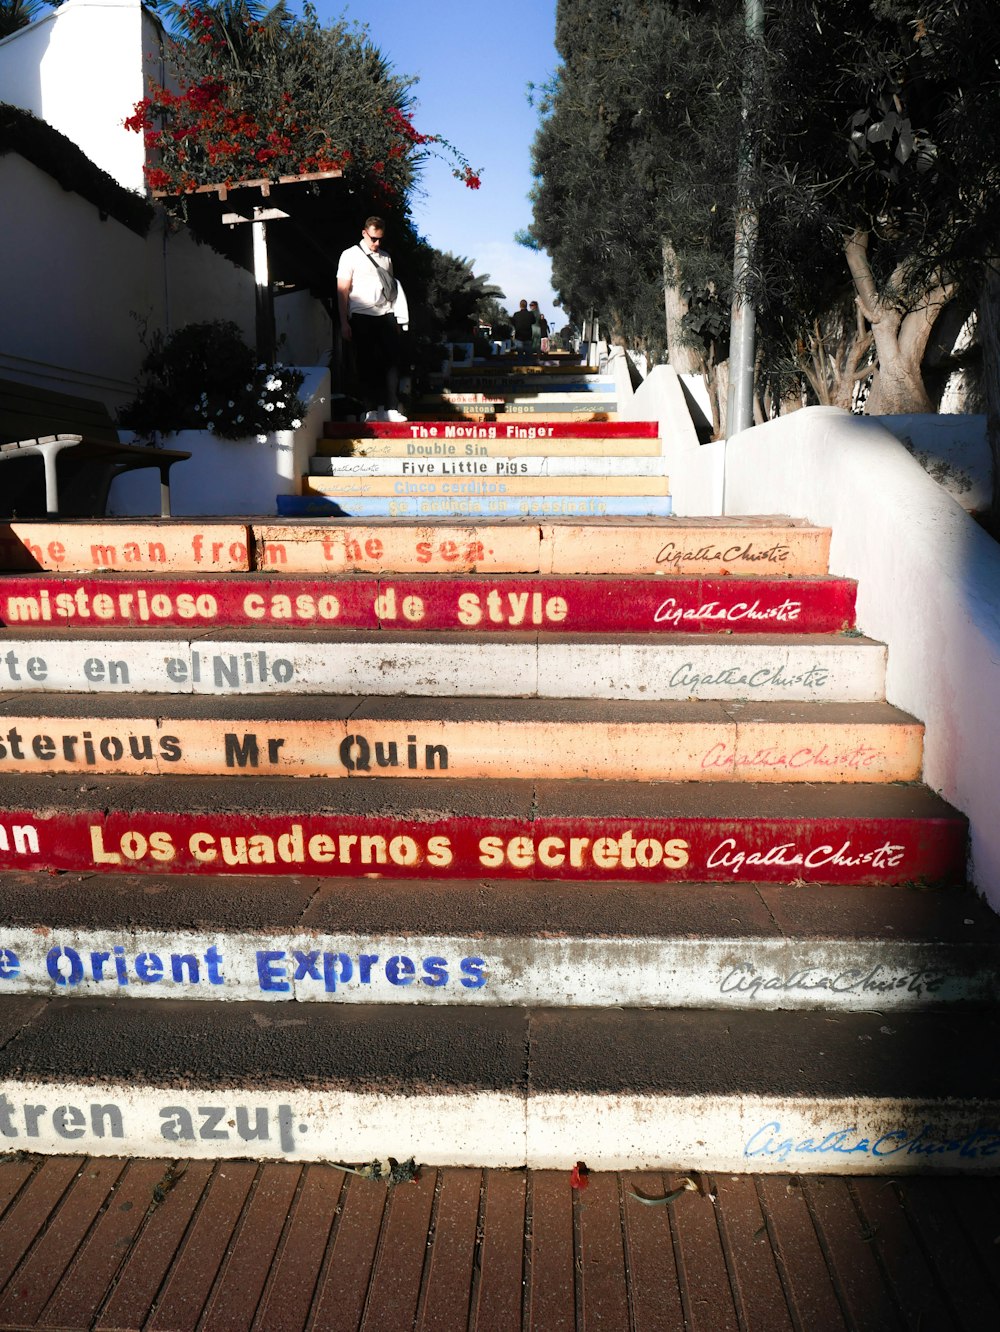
pixel 249 388
pixel 296 424
pixel 261 439
pixel 279 404
pixel 230 403
pixel 268 406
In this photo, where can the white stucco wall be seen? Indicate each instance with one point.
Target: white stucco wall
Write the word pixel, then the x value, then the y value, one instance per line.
pixel 928 585
pixel 82 68
pixel 84 293
pixel 695 470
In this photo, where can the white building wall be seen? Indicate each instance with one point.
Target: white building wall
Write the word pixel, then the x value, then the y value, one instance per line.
pixel 82 69
pixel 85 295
pixel 928 586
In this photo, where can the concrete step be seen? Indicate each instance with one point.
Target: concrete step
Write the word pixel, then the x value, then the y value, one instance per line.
pixel 518 373
pixel 549 944
pixel 448 429
pixel 598 393
pixel 696 546
pixel 626 1088
pixel 515 376
pixel 457 507
pixel 503 467
pixel 177 544
pixel 449 439
pixel 831 667
pixel 598 411
pixel 707 546
pixel 460 738
pixel 502 603
pixel 556 363
pixel 564 384
pixel 512 385
pixel 407 828
pixel 482 487
pixel 506 441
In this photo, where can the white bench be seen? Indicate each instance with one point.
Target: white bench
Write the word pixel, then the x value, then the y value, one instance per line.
pixel 79 448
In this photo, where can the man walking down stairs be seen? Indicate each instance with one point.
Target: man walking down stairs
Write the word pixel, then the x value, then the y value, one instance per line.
pixel 476 898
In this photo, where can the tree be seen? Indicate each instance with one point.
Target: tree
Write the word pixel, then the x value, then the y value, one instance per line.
pixel 494 315
pixel 17 14
pixel 454 293
pixel 879 141
pixel 264 93
pixel 634 163
pixel 876 133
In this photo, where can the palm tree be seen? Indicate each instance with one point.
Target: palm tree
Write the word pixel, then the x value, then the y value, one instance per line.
pixel 17 14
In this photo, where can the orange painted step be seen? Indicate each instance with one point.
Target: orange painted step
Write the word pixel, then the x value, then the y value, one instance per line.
pixel 460 738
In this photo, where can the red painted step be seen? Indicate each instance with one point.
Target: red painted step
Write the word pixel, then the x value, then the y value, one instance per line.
pixel 508 430
pixel 398 828
pixel 499 603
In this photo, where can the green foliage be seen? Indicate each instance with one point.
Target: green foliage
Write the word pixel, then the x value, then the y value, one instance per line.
pixel 882 117
pixel 495 316
pixel 17 14
pixel 875 134
pixel 454 294
pixel 205 377
pixel 637 146
pixel 878 126
pixel 50 151
pixel 265 93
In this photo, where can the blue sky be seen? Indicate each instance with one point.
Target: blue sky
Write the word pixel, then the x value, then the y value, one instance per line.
pixel 474 60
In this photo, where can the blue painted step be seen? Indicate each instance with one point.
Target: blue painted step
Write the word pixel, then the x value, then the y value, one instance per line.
pixel 514 506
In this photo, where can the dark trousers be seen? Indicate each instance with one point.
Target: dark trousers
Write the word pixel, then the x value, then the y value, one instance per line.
pixel 376 355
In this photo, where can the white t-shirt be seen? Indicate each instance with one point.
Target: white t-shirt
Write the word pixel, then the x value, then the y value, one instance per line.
pixel 367 296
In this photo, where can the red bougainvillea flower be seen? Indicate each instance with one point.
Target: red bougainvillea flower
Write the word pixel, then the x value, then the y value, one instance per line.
pixel 469 178
pixel 579 1176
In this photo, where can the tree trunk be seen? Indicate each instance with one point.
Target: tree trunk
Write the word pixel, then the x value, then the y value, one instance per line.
pixel 717 383
pixel 681 356
pixel 900 337
pixel 834 356
pixel 989 339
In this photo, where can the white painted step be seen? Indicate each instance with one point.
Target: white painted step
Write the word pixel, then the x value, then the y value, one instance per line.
pixel 828 667
pixel 736 947
pixel 606 465
pixel 619 1089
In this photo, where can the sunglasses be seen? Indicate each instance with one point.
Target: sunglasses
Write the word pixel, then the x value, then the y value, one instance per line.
pixel 373 240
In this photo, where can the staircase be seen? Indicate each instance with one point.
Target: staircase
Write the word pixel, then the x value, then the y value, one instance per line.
pixel 474 836
pixel 513 441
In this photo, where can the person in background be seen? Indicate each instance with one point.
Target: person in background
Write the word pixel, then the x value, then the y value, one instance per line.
pixel 372 311
pixel 539 329
pixel 522 320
